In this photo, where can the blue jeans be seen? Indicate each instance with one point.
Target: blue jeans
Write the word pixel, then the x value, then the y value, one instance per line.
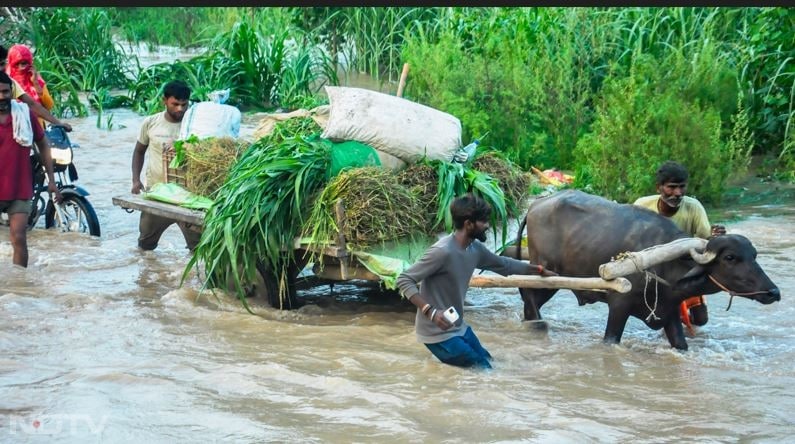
pixel 462 351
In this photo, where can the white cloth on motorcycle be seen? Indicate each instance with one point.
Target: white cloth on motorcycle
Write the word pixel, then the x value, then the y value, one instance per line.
pixel 20 117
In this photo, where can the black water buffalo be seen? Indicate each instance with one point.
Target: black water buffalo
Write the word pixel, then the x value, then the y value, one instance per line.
pixel 572 233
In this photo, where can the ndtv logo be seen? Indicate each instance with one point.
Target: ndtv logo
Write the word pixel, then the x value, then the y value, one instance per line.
pixel 56 424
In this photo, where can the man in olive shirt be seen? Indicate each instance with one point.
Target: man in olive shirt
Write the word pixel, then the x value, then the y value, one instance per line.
pixel 444 272
pixel 158 133
pixel 690 216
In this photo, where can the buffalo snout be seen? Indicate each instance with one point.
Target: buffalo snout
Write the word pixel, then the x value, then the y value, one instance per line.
pixel 772 295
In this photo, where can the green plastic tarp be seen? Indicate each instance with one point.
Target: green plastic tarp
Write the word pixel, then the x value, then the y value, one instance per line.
pixel 174 194
pixel 389 259
pixel 348 154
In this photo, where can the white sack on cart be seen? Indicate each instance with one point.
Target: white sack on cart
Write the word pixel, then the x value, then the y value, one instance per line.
pixel 394 125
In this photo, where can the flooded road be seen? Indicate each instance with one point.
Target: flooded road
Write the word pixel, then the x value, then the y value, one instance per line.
pixel 99 344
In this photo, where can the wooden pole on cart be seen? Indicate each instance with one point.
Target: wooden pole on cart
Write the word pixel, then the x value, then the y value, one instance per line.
pixel 402 83
pixel 339 212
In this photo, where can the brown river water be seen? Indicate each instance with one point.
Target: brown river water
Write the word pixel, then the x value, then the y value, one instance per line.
pixel 98 343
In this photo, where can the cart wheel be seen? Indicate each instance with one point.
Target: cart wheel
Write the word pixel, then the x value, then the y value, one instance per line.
pixel 268 288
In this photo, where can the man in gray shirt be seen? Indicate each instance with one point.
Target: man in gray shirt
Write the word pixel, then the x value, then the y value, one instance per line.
pixel 444 271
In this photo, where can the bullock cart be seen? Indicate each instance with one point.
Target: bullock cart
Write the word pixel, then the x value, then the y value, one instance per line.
pixel 337 262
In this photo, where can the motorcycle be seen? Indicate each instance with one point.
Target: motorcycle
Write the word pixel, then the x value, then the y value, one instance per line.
pixel 75 212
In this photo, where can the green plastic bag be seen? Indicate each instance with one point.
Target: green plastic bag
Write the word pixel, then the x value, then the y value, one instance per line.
pixel 349 154
pixel 174 194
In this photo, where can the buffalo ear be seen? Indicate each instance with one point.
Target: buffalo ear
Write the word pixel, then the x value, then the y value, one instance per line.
pixel 698 271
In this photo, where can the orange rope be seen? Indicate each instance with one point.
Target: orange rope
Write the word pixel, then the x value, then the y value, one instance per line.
pixel 684 315
pixel 684 311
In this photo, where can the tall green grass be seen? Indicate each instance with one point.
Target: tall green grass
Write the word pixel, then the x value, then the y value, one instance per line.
pixel 538 94
pixel 531 76
pixel 183 27
pixel 203 74
pixel 375 38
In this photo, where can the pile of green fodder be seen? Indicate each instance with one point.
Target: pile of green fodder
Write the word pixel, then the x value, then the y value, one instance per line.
pixel 297 126
pixel 260 208
pixel 383 205
pixel 514 182
pixel 207 161
pixel 279 188
pixel 377 209
pixel 420 179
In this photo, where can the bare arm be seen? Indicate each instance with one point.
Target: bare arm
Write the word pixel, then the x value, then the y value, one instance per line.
pixel 137 166
pixel 42 112
pixel 46 158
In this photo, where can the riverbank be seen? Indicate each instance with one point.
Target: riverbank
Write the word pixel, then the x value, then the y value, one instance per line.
pixel 758 190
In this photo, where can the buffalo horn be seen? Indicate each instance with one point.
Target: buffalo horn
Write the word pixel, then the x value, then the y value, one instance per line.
pixel 702 258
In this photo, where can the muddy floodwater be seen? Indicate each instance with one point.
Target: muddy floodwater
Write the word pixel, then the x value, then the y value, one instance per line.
pixel 98 343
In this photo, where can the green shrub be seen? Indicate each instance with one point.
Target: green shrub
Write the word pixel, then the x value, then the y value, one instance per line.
pixel 516 74
pixel 639 124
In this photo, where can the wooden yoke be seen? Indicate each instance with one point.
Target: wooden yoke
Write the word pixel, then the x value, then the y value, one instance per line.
pixel 620 285
pixel 635 262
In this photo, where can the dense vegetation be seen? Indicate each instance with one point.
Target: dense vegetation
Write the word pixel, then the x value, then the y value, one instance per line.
pixel 606 92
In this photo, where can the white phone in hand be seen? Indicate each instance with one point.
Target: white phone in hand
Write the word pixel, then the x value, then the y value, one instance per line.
pixel 451 315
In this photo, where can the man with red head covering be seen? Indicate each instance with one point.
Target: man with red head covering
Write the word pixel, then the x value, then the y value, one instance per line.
pixel 39 102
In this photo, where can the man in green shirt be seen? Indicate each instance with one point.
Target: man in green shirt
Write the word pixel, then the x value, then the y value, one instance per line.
pixel 689 215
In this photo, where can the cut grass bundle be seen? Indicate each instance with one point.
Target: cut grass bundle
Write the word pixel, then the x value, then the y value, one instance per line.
pixel 377 208
pixel 259 210
pixel 207 162
pixel 514 182
pixel 455 179
pixel 421 180
pixel 296 125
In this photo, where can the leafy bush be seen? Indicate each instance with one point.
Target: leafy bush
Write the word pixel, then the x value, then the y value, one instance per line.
pixel 640 123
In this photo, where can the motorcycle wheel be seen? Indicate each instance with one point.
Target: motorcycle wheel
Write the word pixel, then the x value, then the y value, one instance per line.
pixel 37 209
pixel 78 212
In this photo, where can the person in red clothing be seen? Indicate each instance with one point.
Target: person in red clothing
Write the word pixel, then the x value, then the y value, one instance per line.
pixel 20 68
pixel 19 93
pixel 16 173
